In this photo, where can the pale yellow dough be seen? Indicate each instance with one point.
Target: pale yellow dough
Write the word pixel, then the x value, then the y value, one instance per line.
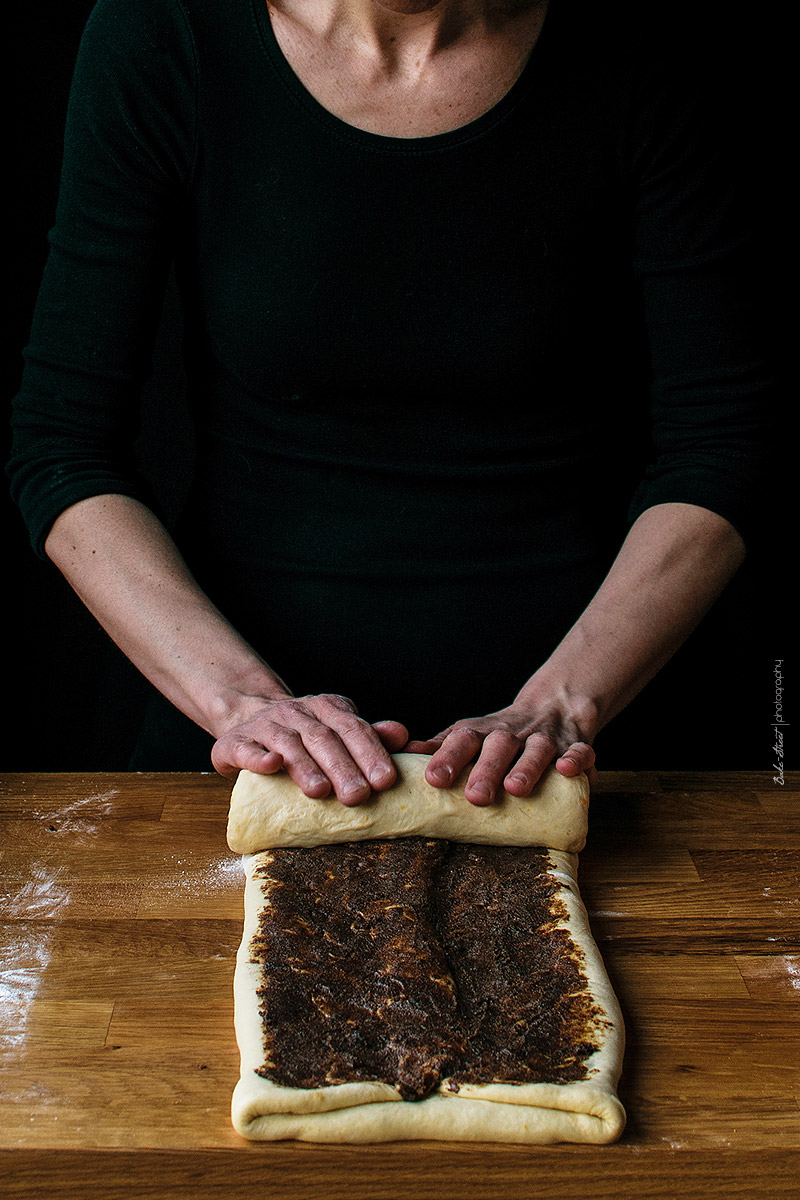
pixel 267 811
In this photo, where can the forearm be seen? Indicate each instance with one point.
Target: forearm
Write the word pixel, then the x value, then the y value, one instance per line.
pixel 127 570
pixel 674 563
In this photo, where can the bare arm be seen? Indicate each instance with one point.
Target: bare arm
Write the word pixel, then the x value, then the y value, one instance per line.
pixel 674 563
pixel 127 570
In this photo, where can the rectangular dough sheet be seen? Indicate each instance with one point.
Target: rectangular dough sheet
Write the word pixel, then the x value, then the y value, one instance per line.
pixel 586 1110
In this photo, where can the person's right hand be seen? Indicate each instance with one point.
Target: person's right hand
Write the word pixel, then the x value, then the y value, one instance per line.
pixel 320 741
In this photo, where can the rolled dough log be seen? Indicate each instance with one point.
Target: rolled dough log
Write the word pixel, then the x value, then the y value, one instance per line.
pixel 268 811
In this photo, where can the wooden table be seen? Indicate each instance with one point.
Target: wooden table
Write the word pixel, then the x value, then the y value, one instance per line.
pixel 122 912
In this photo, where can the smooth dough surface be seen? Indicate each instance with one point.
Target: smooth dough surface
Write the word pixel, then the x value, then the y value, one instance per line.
pixel 585 1111
pixel 268 811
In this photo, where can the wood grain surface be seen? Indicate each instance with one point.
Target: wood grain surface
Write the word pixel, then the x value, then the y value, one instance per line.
pixel 121 912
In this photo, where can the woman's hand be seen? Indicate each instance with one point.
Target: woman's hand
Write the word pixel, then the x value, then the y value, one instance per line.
pixel 513 748
pixel 320 741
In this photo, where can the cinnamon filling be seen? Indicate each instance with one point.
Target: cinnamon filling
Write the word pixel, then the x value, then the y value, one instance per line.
pixel 416 961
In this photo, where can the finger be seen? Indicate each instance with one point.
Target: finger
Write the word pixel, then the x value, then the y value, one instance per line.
pixel 417 747
pixel 363 745
pixel 243 754
pixel 536 757
pixel 302 766
pixel 329 755
pixel 578 759
pixel 457 750
pixel 499 750
pixel 313 749
pixel 393 735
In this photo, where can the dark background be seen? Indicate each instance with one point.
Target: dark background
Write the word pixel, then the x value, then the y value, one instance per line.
pixel 73 701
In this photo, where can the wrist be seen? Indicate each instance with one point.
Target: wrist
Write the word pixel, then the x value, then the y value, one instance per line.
pixel 233 705
pixel 553 697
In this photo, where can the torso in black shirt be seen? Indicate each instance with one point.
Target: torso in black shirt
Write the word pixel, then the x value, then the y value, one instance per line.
pixel 418 368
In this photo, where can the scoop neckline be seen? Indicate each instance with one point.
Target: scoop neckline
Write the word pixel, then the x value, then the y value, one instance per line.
pixel 387 142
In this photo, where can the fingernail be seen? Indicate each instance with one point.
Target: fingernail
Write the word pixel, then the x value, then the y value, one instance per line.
pixel 480 791
pixel 380 775
pixel 351 790
pixel 522 780
pixel 440 774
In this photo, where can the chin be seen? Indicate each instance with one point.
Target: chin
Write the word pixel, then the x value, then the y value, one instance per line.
pixel 408 6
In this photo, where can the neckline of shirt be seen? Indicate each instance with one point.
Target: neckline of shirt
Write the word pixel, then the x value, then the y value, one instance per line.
pixel 386 143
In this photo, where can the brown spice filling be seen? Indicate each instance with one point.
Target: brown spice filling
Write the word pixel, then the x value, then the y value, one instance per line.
pixel 417 960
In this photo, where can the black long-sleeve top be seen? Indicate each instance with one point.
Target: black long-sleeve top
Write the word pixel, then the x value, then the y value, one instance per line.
pixel 424 373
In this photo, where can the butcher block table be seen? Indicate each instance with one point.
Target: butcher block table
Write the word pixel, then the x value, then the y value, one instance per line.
pixel 122 913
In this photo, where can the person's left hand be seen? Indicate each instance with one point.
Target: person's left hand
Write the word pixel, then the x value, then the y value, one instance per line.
pixel 513 748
